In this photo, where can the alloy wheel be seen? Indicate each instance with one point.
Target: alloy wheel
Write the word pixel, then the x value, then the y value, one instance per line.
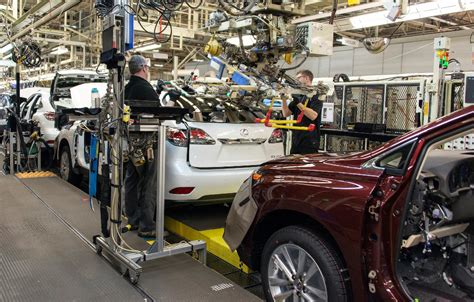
pixel 64 167
pixel 294 275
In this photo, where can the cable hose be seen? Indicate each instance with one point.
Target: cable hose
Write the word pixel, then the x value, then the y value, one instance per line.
pixel 48 151
pixel 236 11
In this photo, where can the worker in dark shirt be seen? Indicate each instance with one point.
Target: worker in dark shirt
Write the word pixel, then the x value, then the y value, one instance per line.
pixel 305 142
pixel 140 179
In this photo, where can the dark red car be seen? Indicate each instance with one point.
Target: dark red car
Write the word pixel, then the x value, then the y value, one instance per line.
pixel 391 224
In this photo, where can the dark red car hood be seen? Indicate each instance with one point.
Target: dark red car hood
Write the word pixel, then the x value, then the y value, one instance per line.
pixel 354 159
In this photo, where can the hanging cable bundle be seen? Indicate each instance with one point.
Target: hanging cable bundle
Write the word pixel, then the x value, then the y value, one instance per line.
pixel 237 9
pixel 28 54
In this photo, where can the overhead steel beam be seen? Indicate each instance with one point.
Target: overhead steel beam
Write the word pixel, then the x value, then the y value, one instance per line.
pixel 367 20
pixel 415 12
pixel 41 7
pixel 343 11
pixel 45 19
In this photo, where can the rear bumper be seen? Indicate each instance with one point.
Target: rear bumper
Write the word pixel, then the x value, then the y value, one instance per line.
pixel 210 185
pixel 50 135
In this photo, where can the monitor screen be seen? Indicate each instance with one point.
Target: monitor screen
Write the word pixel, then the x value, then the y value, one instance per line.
pixel 469 87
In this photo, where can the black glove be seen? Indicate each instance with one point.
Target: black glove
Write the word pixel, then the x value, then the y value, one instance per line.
pixel 174 95
pixel 298 98
pixel 160 85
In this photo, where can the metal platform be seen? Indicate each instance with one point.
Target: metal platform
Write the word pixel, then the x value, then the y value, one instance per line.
pixel 41 259
pixel 175 278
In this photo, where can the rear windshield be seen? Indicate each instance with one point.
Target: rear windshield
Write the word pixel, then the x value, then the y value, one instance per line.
pixel 61 97
pixel 70 82
pixel 216 110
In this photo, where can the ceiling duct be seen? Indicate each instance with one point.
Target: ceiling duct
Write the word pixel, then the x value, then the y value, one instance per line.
pixel 376 45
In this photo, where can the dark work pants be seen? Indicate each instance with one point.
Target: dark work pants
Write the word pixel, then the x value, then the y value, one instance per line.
pixel 140 195
pixel 303 150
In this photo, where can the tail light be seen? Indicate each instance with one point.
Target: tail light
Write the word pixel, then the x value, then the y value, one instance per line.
pixel 198 137
pixel 177 137
pixel 182 190
pixel 49 116
pixel 276 137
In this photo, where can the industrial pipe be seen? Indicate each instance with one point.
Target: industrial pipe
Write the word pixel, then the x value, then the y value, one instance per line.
pixel 48 17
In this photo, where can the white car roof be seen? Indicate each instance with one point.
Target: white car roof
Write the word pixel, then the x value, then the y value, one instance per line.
pixel 27 92
pixel 78 71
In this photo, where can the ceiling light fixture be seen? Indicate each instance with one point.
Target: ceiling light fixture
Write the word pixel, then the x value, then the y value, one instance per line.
pixel 147 47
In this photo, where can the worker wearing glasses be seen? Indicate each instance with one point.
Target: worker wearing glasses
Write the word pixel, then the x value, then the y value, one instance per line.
pixel 305 142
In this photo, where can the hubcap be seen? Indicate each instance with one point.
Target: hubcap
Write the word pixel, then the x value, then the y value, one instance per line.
pixel 64 169
pixel 293 275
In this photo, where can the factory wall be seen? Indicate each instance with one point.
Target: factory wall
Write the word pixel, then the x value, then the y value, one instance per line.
pixel 401 56
pixel 407 55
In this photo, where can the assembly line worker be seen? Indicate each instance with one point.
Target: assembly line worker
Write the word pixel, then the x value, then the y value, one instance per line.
pixel 305 142
pixel 140 181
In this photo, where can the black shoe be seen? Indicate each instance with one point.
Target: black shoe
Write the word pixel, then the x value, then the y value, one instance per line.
pixel 147 234
pixel 129 228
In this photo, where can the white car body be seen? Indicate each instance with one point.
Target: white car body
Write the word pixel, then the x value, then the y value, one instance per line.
pixel 202 172
pixel 38 108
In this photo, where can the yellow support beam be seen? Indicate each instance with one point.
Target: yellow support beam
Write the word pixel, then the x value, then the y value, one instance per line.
pixel 214 241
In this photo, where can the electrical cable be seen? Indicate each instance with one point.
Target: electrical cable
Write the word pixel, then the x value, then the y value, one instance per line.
pixel 235 10
pixel 333 12
pixel 28 54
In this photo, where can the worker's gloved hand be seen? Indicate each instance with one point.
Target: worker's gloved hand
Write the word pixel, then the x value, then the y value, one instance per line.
pixel 160 86
pixel 322 89
pixel 174 95
pixel 298 98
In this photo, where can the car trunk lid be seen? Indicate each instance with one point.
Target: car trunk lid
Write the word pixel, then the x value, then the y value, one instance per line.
pixel 235 145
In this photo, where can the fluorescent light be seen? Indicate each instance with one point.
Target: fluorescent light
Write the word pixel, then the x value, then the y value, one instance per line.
pixel 416 11
pixel 198 60
pixel 148 47
pixel 158 65
pixel 247 40
pixel 60 50
pixel 160 56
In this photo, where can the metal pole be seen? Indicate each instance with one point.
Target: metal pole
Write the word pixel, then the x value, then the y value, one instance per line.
pixel 175 67
pixel 12 153
pixel 17 78
pixel 38 147
pixel 160 195
pixel 116 160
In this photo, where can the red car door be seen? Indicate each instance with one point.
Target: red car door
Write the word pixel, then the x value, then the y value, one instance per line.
pixel 386 206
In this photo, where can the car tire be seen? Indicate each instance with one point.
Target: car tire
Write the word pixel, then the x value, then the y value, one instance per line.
pixel 310 255
pixel 66 170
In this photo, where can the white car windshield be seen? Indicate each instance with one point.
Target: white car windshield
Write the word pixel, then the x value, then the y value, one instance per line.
pixel 217 110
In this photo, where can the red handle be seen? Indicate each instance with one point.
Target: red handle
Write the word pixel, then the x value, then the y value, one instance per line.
pixel 300 117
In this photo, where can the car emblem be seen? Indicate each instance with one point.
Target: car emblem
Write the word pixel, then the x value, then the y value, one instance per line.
pixel 244 132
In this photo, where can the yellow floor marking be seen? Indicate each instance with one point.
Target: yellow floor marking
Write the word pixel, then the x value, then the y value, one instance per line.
pixel 215 243
pixel 38 174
